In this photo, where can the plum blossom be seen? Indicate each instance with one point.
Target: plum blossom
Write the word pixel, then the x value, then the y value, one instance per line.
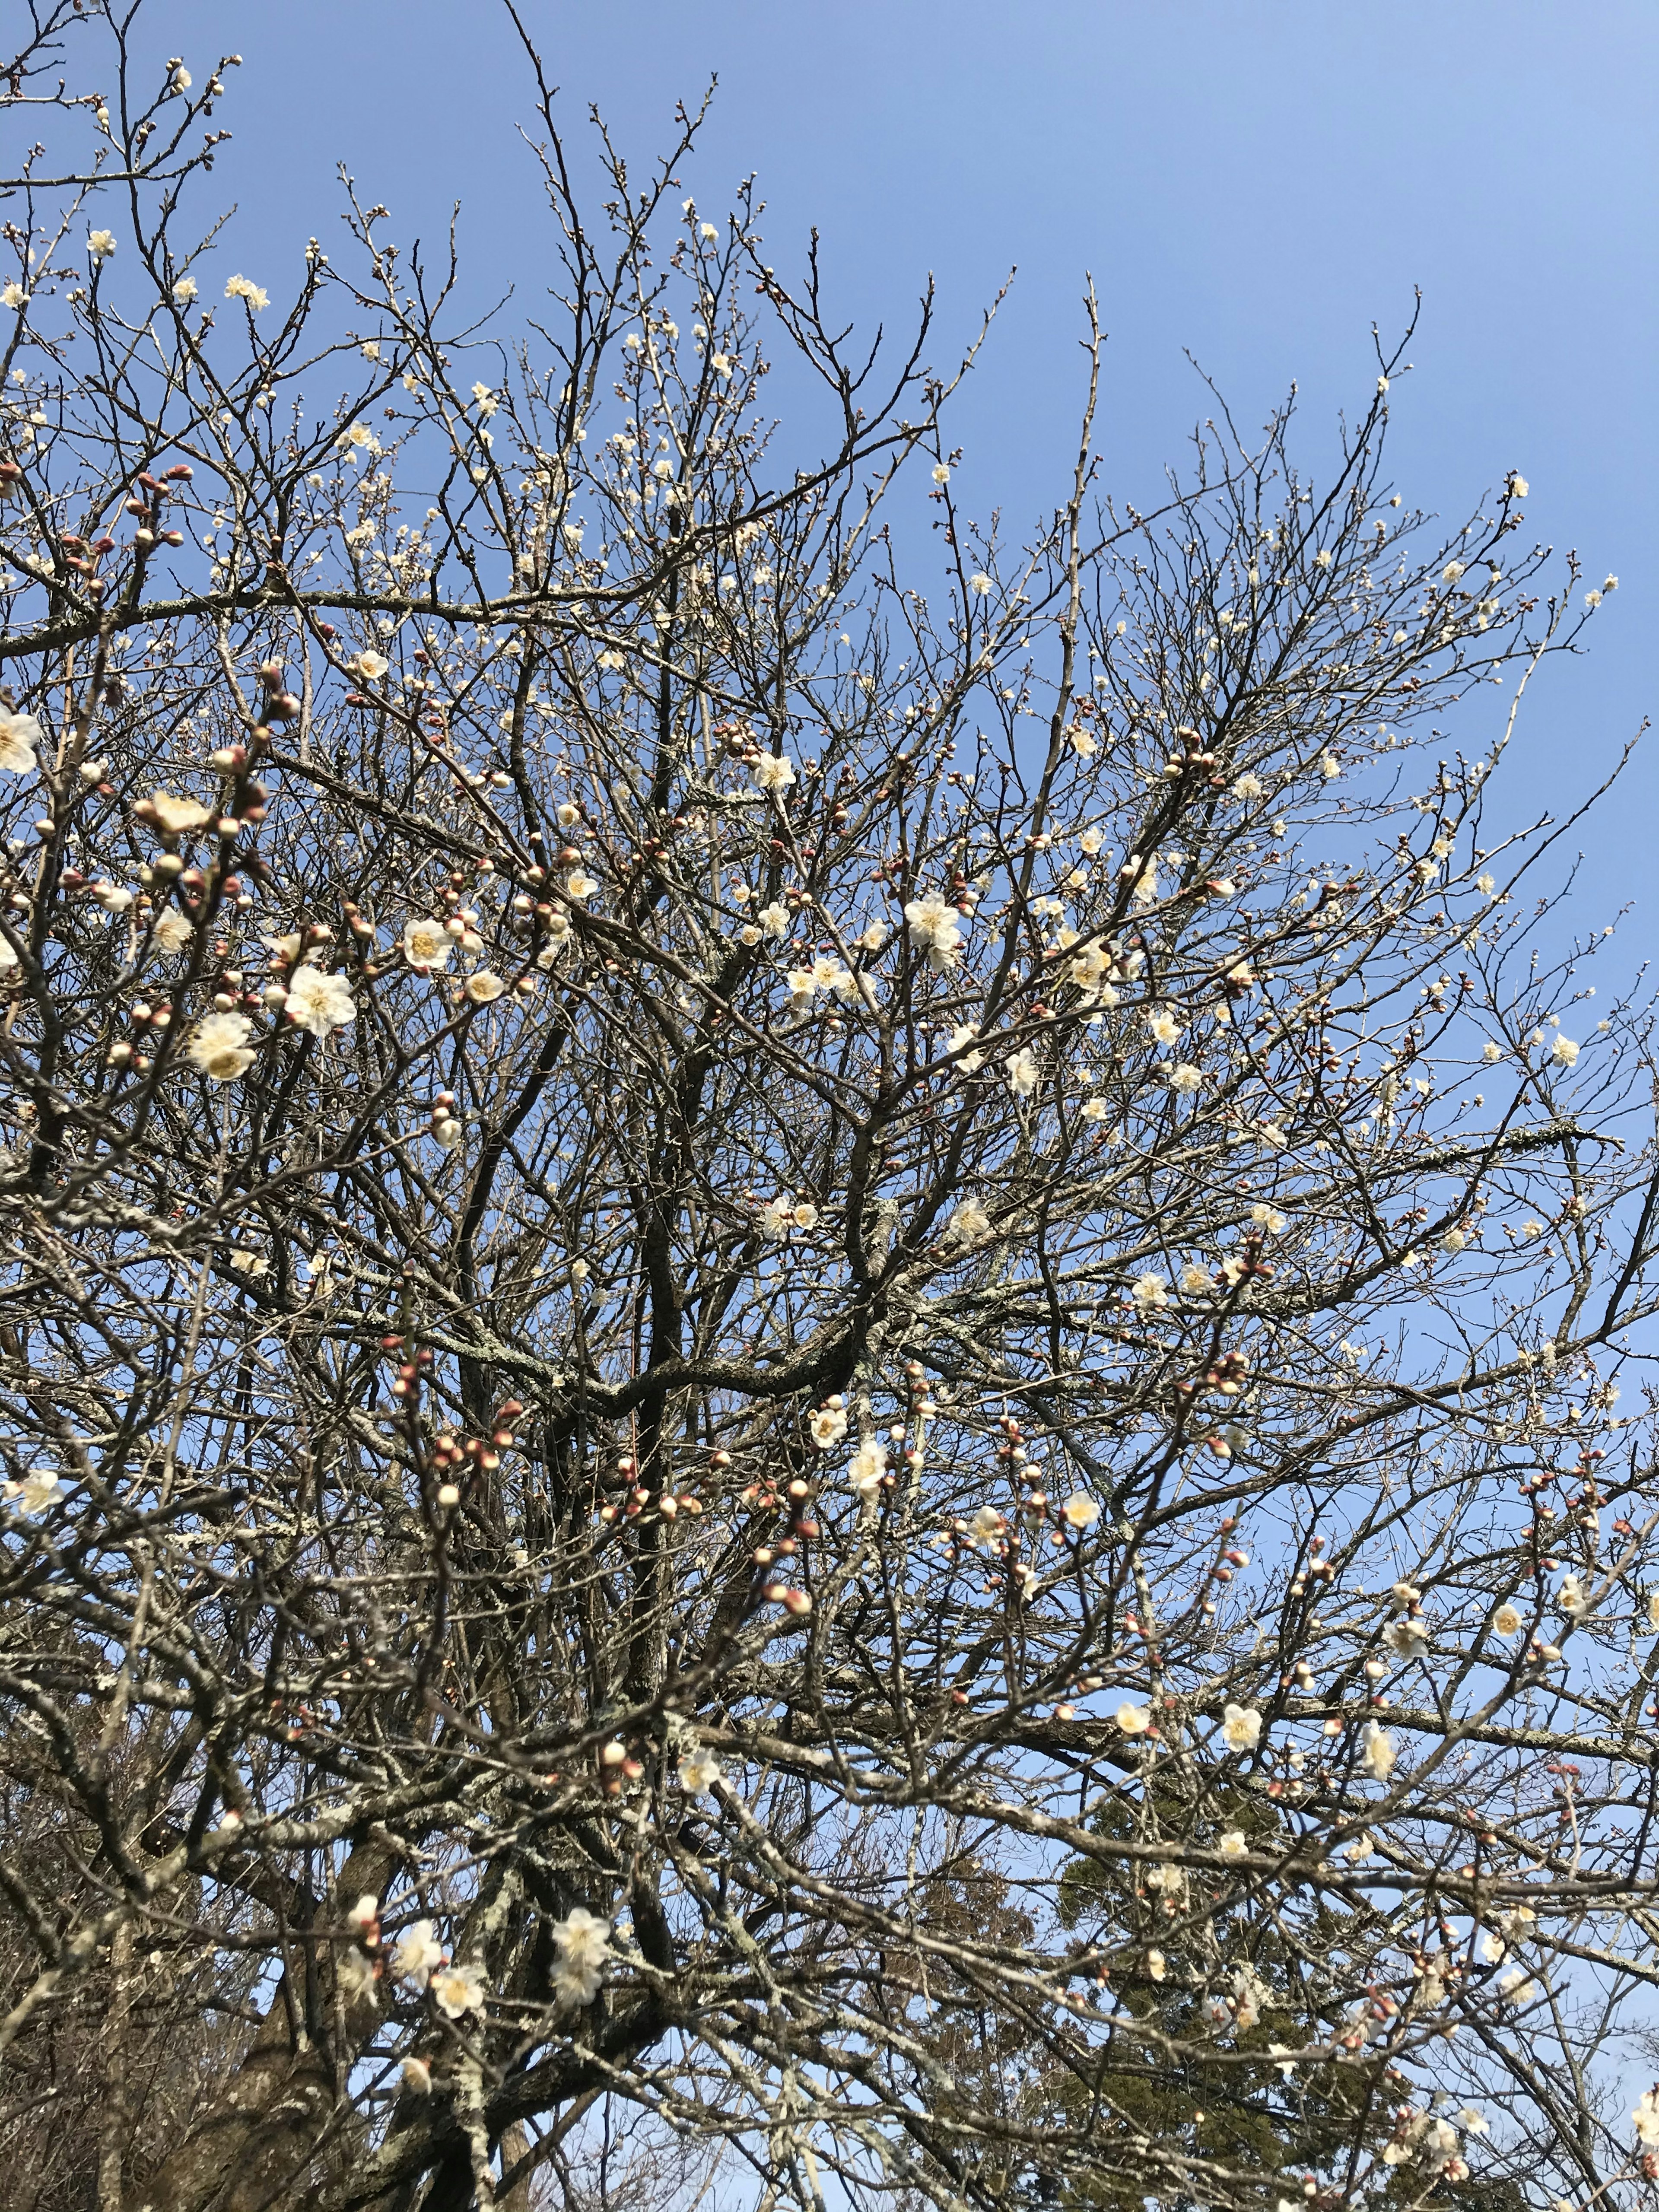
pixel 1380 1753
pixel 484 987
pixel 582 1941
pixel 417 1954
pixel 1646 2117
pixel 828 1426
pixel 774 772
pixel 458 1990
pixel 355 1974
pixel 1233 1844
pixel 699 1771
pixel 100 244
pixel 971 1223
pixel 318 1001
pixel 985 1529
pixel 174 931
pixel 1135 1720
pixel 176 818
pixel 219 1046
pixel 1241 1728
pixel 427 943
pixel 418 2077
pixel 1505 1621
pixel 933 930
pixel 867 1468
pixel 1564 1052
pixel 243 287
pixel 1022 1071
pixel 19 734
pixel 1080 1510
pixel 961 1036
pixel 35 1492
pixel 1150 1291
pixel 1186 1079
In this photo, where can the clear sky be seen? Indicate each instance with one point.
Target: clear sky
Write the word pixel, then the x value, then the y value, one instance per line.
pixel 1254 183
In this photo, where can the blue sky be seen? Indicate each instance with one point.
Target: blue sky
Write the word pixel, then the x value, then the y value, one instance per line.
pixel 1254 184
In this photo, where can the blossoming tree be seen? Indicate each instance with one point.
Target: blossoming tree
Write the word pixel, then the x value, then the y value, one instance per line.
pixel 810 1328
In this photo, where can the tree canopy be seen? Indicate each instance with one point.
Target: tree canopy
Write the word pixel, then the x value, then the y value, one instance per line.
pixel 813 1323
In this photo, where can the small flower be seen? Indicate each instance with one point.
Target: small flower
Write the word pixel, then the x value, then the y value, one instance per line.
pixel 1406 1639
pixel 319 1002
pixel 1248 787
pixel 985 1530
pixel 177 818
pixel 980 584
pixel 240 288
pixel 582 1941
pixel 174 931
pixel 1517 486
pixel 418 2077
pixel 961 1038
pixel 458 1990
pixel 827 1427
pixel 219 1046
pixel 1157 1965
pixel 371 666
pixel 1150 1291
pixel 1233 1845
pixel 355 1974
pixel 932 926
pixel 417 1954
pixel 427 944
pixel 941 474
pixel 1380 1753
pixel 100 244
pixel 1134 1720
pixel 1186 1079
pixel 1079 1511
pixel 775 919
pixel 970 1223
pixel 1646 2117
pixel 1022 1071
pixel 19 736
pixel 1506 1620
pixel 1095 1110
pixel 1451 571
pixel 1241 1728
pixel 774 772
pixel 35 1492
pixel 699 1771
pixel 13 296
pixel 1564 1052
pixel 1491 1052
pixel 867 1468
pixel 185 291
pixel 484 987
pixel 1573 1598
pixel 1163 1026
